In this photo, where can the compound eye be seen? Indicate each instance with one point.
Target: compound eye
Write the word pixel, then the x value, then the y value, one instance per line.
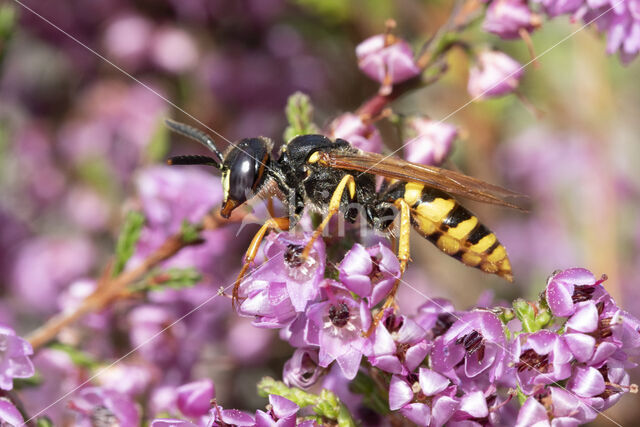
pixel 242 175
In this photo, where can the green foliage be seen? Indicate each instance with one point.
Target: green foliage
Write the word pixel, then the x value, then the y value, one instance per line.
pixel 373 396
pixel 190 232
pixel 299 112
pixel 532 316
pixel 78 357
pixel 127 240
pixel 326 405
pixel 44 422
pixel 159 145
pixel 175 278
pixel 8 18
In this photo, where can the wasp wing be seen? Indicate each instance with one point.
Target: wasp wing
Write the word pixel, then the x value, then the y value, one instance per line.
pixel 451 182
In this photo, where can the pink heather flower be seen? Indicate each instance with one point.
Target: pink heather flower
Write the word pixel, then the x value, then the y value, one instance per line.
pixel 370 272
pixel 96 405
pixel 555 8
pixel 495 74
pixel 302 369
pixel 352 128
pixel 174 50
pixel 14 358
pixel 430 142
pixel 284 281
pixel 131 379
pixel 194 398
pixel 505 18
pixel 569 287
pixel 9 414
pixel 336 326
pixel 563 409
pixel 541 358
pixel 387 59
pixel 623 29
pixel 408 395
pixel 229 417
pixel 171 422
pixel 127 39
pixel 476 341
pixel 146 324
pixel 436 317
pixel 282 413
pixel 398 345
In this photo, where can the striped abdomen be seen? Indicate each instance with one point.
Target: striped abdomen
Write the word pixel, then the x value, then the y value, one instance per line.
pixel 455 230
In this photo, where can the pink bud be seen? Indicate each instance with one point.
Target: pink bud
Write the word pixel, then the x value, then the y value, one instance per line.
pixel 387 59
pixel 505 18
pixel 431 141
pixel 495 74
pixel 174 50
pixel 352 128
pixel 194 399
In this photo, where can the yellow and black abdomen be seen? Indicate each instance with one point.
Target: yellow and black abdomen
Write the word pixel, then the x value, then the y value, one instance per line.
pixel 456 231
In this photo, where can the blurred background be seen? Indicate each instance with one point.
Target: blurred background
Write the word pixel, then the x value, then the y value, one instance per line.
pixel 82 143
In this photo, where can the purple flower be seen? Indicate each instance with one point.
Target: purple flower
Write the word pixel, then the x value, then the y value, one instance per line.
pixel 336 326
pixel 132 379
pixel 430 142
pixel 302 369
pixel 224 417
pixel 387 59
pixel 436 316
pixel 569 287
pixel 361 134
pixel 410 395
pixel 14 358
pixel 541 358
pixel 398 345
pixel 170 422
pixel 149 330
pixel 495 74
pixel 506 18
pixel 9 414
pixel 174 50
pixel 101 406
pixel 284 274
pixel 557 404
pixel 194 399
pixel 370 272
pixel 127 39
pixel 477 339
pixel 282 413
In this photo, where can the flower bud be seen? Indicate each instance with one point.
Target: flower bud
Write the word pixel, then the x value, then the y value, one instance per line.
pixel 495 74
pixel 302 369
pixel 430 142
pixel 352 128
pixel 194 399
pixel 506 18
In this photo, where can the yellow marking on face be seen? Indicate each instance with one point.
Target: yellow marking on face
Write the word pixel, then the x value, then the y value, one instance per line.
pixel 498 254
pixel 225 184
pixel 436 210
pixel 471 259
pixel 314 157
pixel 412 192
pixel 484 243
pixel 463 229
pixel 448 244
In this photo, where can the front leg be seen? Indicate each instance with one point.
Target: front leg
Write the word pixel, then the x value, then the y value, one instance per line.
pixel 334 207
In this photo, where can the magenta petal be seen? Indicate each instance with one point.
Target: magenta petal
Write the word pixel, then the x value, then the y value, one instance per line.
pixel 383 343
pixel 262 419
pixel 389 363
pixel 603 351
pixel 9 413
pixel 194 399
pixel 400 393
pixel 532 413
pixel 432 382
pixel 415 355
pixel 474 404
pixel 585 318
pixel 559 298
pixel 349 362
pixel 587 381
pixel 443 408
pixel 419 413
pixel 282 407
pixel 239 418
pixel 581 345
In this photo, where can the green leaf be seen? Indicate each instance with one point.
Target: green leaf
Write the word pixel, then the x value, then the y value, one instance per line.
pixel 327 405
pixel 372 396
pixel 174 278
pixel 159 145
pixel 190 232
pixel 44 422
pixel 335 10
pixel 8 18
pixel 127 240
pixel 33 381
pixel 299 112
pixel 78 357
pixel 525 312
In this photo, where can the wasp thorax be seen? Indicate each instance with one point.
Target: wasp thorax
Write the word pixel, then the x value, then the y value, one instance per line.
pixel 243 170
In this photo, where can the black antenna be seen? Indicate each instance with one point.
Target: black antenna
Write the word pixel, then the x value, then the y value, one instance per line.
pixel 193 160
pixel 196 135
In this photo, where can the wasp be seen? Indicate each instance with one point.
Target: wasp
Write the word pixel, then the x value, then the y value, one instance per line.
pixel 331 177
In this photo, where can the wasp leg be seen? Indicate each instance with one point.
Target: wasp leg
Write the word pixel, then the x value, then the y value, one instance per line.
pixel 272 212
pixel 403 257
pixel 252 251
pixel 334 207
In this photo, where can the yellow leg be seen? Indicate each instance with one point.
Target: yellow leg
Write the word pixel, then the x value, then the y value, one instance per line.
pixel 403 257
pixel 252 251
pixel 272 213
pixel 334 207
